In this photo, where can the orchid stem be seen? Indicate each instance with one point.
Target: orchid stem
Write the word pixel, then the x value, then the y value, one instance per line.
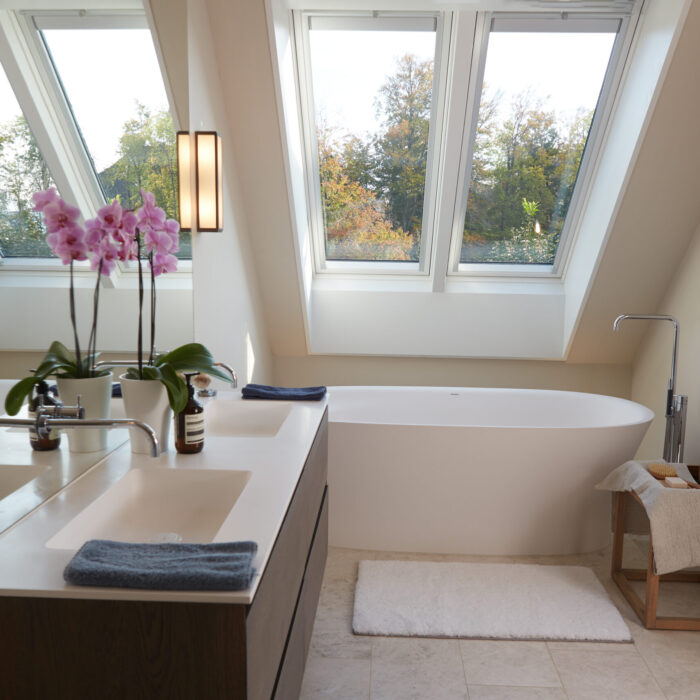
pixel 153 311
pixel 75 328
pixel 140 335
pixel 92 343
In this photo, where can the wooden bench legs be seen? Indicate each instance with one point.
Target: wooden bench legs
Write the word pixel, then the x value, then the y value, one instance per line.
pixel 646 610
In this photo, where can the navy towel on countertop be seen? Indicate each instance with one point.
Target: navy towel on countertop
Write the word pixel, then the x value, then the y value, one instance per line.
pixel 219 566
pixel 305 393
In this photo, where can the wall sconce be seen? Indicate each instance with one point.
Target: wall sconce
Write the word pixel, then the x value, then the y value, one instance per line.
pixel 208 180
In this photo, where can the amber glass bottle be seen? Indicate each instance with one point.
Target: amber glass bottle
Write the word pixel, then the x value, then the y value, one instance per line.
pixel 42 396
pixel 189 423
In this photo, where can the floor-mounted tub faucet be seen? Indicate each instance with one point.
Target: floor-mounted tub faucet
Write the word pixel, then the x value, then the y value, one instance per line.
pixel 676 405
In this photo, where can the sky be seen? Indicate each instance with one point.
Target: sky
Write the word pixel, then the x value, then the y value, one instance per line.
pixel 103 72
pixel 349 67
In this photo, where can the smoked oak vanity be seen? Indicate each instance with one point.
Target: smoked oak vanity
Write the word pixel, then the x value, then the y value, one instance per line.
pixel 60 641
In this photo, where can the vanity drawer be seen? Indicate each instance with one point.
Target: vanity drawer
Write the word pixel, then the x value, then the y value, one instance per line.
pixel 271 613
pixel 292 670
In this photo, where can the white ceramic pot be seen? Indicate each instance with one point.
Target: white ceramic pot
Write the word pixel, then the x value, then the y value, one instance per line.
pixel 147 400
pixel 95 397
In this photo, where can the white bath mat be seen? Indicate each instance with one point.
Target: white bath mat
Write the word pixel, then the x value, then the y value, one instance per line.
pixel 484 601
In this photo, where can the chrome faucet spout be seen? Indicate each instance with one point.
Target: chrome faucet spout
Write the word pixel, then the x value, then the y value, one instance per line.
pixel 675 405
pixel 107 423
pixel 230 370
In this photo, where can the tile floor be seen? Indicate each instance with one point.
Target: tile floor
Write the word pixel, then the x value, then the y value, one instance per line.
pixel 343 666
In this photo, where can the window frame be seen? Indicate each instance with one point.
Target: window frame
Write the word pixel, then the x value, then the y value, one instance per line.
pixel 353 268
pixel 537 22
pixel 454 113
pixel 38 88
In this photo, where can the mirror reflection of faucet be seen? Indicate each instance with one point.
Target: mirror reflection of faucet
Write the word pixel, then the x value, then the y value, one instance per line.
pixel 676 405
pixel 51 417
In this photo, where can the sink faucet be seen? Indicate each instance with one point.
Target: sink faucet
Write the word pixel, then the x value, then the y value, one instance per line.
pixel 230 370
pixel 60 416
pixel 676 406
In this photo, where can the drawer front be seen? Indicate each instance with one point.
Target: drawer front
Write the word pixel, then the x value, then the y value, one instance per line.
pixel 292 671
pixel 270 615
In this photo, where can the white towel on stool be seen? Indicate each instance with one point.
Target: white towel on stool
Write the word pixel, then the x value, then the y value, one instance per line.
pixel 674 514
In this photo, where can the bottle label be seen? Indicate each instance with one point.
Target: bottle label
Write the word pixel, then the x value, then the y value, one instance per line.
pixel 194 428
pixel 33 437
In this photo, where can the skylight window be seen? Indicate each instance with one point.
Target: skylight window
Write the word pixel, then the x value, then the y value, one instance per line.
pixel 109 75
pixel 22 172
pixel 372 85
pixel 452 143
pixel 541 84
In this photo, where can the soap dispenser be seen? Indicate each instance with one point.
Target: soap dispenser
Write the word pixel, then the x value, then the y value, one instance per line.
pixel 42 397
pixel 189 423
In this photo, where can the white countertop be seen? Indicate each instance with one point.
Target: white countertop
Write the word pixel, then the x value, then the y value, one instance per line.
pixel 29 568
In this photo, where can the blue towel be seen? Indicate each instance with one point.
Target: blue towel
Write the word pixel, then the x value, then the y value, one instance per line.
pixel 306 393
pixel 220 566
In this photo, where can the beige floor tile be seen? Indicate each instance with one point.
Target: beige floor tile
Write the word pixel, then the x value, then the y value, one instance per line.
pixel 508 663
pixel 674 659
pixel 501 692
pixel 339 679
pixel 605 675
pixel 417 669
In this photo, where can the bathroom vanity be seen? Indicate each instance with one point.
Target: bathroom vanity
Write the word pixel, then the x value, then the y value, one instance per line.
pixel 63 641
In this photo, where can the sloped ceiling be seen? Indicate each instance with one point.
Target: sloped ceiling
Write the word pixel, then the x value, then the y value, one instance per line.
pixel 657 216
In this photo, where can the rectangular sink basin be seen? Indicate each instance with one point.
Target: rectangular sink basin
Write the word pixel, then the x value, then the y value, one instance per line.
pixel 157 505
pixel 14 476
pixel 247 418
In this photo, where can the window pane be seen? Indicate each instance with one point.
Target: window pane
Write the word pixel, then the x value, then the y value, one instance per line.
pixel 22 172
pixel 538 98
pixel 373 94
pixel 113 84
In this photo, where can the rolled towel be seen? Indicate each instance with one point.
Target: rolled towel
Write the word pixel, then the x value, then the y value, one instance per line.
pixel 306 393
pixel 220 566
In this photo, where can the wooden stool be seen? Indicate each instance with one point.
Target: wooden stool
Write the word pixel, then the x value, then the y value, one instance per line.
pixel 646 610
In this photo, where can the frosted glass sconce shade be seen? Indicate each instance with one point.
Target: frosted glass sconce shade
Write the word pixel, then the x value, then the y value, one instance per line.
pixel 208 178
pixel 184 179
pixel 203 155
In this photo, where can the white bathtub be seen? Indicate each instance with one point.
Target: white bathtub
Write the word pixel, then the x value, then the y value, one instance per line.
pixel 475 471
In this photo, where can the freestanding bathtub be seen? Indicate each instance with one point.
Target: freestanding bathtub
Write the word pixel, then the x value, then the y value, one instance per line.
pixel 475 471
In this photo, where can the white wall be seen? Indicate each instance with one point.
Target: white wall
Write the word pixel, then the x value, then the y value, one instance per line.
pixel 652 367
pixel 227 312
pixel 334 370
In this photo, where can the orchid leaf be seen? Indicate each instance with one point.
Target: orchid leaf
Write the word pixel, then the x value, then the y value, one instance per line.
pixel 192 357
pixel 177 391
pixel 15 396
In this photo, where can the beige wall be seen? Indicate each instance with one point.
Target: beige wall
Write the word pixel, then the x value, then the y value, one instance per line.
pixel 423 371
pixel 653 362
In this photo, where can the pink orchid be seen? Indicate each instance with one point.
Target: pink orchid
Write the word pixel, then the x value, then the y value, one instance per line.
pixel 107 254
pixel 43 198
pixel 158 241
pixel 149 216
pixel 172 227
pixel 69 244
pixel 111 216
pixel 94 234
pixel 59 215
pixel 163 263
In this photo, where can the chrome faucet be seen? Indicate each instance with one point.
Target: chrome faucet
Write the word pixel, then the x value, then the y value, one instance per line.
pixel 676 405
pixel 231 371
pixel 60 416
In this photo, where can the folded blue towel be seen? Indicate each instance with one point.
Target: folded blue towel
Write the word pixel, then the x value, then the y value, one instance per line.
pixel 305 393
pixel 220 566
